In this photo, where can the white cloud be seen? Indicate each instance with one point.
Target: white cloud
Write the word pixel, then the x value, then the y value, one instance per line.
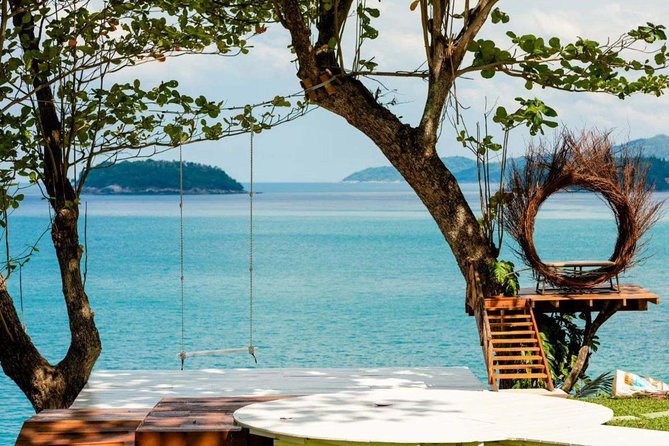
pixel 324 147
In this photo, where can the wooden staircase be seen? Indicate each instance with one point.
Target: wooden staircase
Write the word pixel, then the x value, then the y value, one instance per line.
pixel 509 338
pixel 517 353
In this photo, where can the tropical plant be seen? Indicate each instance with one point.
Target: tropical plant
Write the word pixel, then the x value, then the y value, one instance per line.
pixel 505 277
pixel 562 338
pixel 601 385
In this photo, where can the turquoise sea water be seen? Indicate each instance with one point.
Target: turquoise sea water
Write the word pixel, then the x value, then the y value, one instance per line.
pixel 346 276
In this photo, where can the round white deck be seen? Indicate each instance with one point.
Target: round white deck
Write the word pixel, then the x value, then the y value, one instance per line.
pixel 412 416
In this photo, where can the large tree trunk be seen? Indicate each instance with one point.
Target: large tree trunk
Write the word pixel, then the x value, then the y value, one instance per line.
pixel 48 386
pixel 412 150
pixel 45 385
pixel 584 352
pixel 419 164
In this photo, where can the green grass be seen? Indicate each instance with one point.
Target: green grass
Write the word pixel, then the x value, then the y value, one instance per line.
pixel 635 407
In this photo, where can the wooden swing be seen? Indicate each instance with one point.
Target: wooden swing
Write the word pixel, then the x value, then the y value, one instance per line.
pixel 250 348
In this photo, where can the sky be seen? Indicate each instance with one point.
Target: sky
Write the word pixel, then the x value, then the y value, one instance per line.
pixel 322 147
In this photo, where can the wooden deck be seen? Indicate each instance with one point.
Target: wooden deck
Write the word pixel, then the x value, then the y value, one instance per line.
pixel 173 421
pixel 208 421
pixel 631 298
pixel 510 337
pixel 194 407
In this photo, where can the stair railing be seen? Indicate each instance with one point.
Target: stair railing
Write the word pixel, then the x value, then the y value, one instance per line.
pixel 549 380
pixel 476 301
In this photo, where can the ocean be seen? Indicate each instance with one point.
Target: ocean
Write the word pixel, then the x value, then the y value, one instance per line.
pixel 346 275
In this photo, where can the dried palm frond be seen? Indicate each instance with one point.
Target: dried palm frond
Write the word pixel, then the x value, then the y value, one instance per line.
pixel 589 161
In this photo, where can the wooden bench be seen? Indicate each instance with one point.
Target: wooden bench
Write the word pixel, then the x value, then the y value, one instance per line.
pixel 198 422
pixel 578 268
pixel 69 427
pixel 173 421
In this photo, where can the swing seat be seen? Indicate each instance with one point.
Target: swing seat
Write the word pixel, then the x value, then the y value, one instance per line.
pixel 226 351
pixel 251 350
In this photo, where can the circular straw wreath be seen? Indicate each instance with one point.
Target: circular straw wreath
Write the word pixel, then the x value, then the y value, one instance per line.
pixel 585 161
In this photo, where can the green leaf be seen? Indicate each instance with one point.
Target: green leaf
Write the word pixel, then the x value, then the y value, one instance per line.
pixel 498 16
pixel 487 74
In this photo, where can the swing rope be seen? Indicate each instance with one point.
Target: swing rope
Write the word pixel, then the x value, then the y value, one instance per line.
pixel 182 354
pixel 251 349
pixel 23 315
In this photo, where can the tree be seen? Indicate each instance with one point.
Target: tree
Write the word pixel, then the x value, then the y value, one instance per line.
pixel 452 51
pixel 64 110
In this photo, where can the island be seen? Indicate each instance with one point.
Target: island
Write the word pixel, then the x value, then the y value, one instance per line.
pixel 159 177
pixel 654 154
pixel 464 169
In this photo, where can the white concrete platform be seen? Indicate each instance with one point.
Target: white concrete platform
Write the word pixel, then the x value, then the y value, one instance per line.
pixel 144 388
pixel 415 416
pixel 600 436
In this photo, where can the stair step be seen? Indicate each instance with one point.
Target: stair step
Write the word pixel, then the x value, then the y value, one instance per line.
pixel 510 324
pixel 515 341
pixel 519 375
pixel 509 316
pixel 513 332
pixel 518 348
pixel 517 366
pixel 504 308
pixel 517 358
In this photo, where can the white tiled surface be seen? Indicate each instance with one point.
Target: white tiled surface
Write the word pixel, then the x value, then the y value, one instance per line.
pixel 144 388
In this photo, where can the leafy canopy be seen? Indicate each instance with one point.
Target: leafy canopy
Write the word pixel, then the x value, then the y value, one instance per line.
pixel 78 55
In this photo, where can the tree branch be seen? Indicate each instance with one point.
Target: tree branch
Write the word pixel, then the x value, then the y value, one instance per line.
pixel 434 184
pixel 584 352
pixel 293 21
pixel 446 59
pixel 331 21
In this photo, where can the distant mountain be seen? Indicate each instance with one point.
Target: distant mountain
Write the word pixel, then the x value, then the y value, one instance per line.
pixel 383 174
pixel 159 177
pixel 655 147
pixel 655 150
pixel 464 170
pixel 457 164
pixel 658 173
pixel 388 174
